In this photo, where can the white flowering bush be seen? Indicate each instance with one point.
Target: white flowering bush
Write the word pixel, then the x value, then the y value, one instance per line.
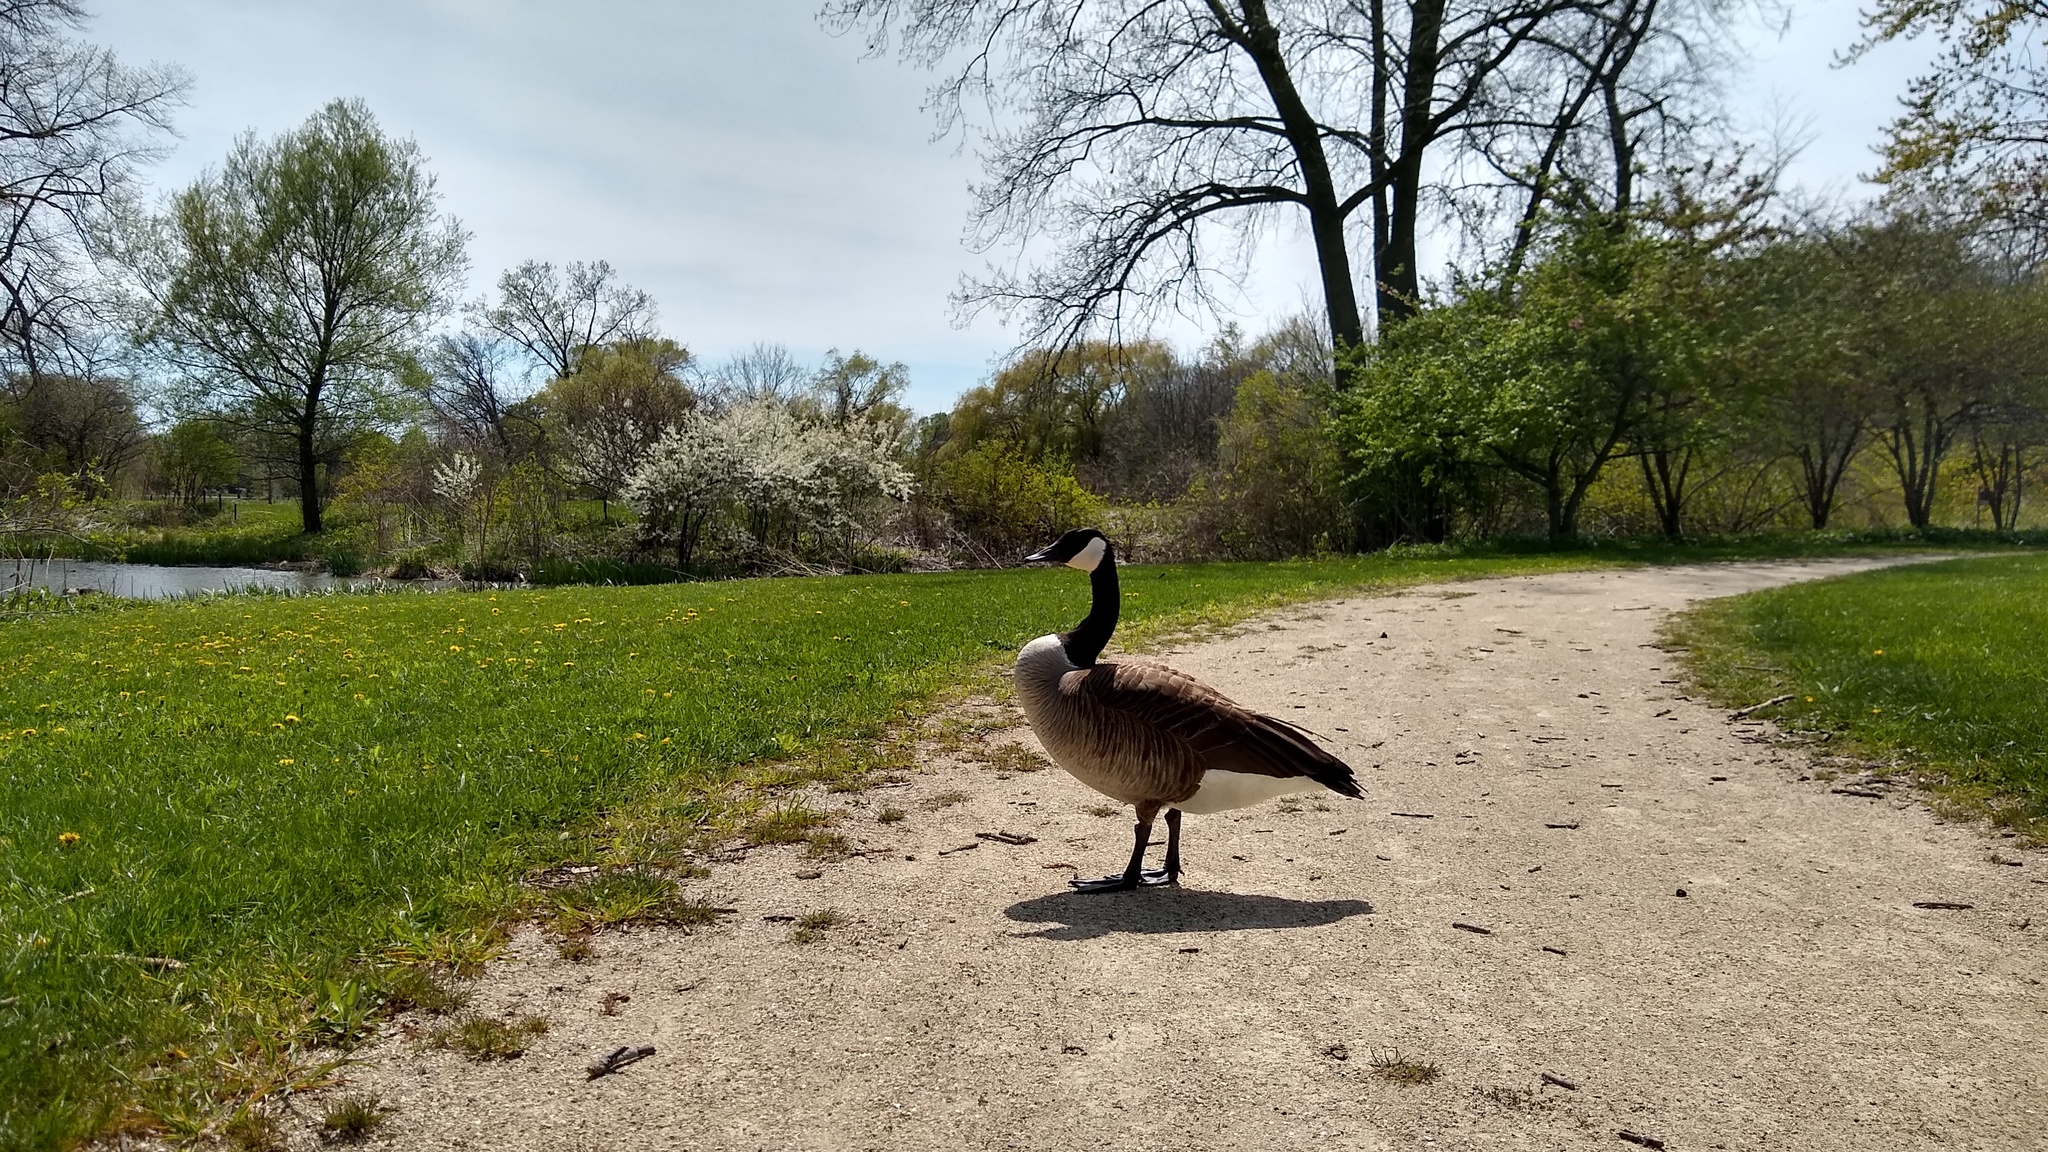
pixel 777 481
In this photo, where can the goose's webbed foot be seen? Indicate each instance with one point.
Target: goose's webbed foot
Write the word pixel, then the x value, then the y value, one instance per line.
pixel 1107 884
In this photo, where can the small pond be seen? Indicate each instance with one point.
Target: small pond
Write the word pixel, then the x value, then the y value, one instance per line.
pixel 157 582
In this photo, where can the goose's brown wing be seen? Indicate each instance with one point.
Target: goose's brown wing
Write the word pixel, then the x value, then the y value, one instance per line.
pixel 1148 702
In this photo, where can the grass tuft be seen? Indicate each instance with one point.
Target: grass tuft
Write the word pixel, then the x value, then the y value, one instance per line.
pixel 1395 1068
pixel 487 1037
pixel 890 816
pixel 415 988
pixel 353 1116
pixel 812 926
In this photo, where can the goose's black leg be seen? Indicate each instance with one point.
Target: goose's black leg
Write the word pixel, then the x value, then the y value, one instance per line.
pixel 1134 872
pixel 1171 873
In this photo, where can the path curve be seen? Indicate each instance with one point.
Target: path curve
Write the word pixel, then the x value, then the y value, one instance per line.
pixel 1791 997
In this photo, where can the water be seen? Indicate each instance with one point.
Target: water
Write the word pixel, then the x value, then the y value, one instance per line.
pixel 157 582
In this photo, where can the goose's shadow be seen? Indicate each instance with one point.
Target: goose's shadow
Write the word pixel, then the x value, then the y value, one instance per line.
pixel 1164 910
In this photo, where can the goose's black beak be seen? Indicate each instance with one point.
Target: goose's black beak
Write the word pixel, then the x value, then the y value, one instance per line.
pixel 1042 554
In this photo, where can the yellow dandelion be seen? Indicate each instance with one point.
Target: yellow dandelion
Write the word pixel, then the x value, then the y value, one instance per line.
pixel 568 663
pixel 664 739
pixel 28 731
pixel 455 647
pixel 67 838
pixel 359 696
pixel 1875 711
pixel 290 719
pixel 286 762
pixel 1809 699
pixel 666 695
pixel 55 731
pixel 1877 652
pixel 637 736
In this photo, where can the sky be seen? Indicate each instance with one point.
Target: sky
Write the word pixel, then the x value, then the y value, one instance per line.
pixel 761 178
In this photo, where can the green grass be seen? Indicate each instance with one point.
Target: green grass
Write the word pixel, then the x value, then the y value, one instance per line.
pixel 228 827
pixel 1941 666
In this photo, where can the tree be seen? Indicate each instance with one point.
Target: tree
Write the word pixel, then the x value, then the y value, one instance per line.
pixel 1130 132
pixel 1276 489
pixel 762 372
pixel 194 458
pixel 611 410
pixel 687 476
pixel 555 316
pixel 1975 127
pixel 83 426
pixel 292 289
pixel 469 390
pixel 860 387
pixel 76 125
pixel 1055 403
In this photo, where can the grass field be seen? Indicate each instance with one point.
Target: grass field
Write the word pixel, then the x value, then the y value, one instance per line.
pixel 1942 667
pixel 231 828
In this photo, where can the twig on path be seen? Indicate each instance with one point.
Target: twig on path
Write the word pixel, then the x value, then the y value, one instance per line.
pixel 1573 824
pixel 1773 702
pixel 616 1059
pixel 1561 1082
pixel 1638 1138
pixel 1417 815
pixel 1943 905
pixel 1866 793
pixel 1008 837
pixel 1553 951
pixel 1472 928
pixel 961 848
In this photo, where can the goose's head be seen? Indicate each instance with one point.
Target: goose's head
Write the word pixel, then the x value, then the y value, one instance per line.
pixel 1082 548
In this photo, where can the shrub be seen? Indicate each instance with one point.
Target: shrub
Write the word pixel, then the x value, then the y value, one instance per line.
pixel 1002 504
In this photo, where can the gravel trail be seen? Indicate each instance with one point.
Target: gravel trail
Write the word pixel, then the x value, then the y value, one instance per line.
pixel 1680 920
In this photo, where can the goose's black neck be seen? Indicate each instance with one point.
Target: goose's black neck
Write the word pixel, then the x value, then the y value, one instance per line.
pixel 1090 636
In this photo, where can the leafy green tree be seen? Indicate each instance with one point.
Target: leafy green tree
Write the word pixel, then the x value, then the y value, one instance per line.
pixel 1276 490
pixel 605 416
pixel 293 289
pixel 1975 129
pixel 194 457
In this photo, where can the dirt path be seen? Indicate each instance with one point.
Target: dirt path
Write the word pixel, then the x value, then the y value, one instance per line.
pixel 1790 996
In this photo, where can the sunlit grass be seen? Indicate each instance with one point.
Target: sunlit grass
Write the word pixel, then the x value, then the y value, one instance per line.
pixel 228 826
pixel 1943 667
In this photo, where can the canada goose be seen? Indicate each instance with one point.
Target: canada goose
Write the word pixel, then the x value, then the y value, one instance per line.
pixel 1149 736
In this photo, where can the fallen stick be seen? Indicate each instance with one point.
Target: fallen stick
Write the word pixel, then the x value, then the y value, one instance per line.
pixel 1561 1082
pixel 1863 792
pixel 1573 824
pixel 1417 815
pixel 961 848
pixel 1553 951
pixel 616 1059
pixel 1942 905
pixel 1472 928
pixel 1739 713
pixel 1008 837
pixel 1638 1138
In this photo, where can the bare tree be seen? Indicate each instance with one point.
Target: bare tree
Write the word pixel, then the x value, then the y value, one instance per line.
pixel 1136 134
pixel 469 390
pixel 75 126
pixel 554 315
pixel 762 372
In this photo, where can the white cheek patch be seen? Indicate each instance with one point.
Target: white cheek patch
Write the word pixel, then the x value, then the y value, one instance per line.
pixel 1090 555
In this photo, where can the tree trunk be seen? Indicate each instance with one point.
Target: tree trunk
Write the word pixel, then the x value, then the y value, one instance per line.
pixel 1664 476
pixel 309 477
pixel 1325 213
pixel 1394 266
